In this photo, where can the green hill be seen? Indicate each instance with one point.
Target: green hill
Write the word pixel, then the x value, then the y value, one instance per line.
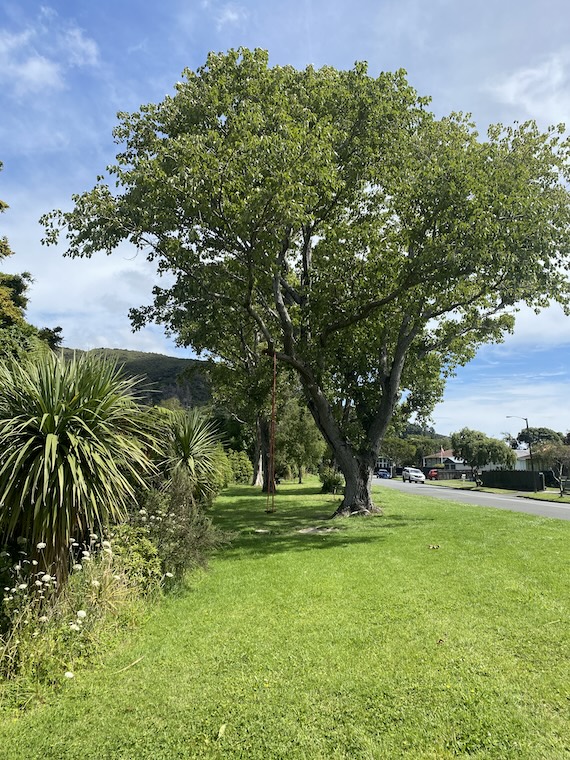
pixel 165 376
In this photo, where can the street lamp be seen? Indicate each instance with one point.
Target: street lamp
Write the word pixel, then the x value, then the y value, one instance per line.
pixel 511 416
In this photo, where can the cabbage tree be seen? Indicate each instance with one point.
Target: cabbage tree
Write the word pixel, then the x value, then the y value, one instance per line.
pixel 74 446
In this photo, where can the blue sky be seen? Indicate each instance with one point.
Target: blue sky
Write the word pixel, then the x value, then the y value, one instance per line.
pixel 66 68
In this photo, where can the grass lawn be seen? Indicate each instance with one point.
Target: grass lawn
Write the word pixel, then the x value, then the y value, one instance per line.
pixel 361 642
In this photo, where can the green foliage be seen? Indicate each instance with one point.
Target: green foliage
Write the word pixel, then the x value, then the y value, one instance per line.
pixel 330 218
pixel 194 451
pixel 137 556
pixel 401 451
pixel 47 630
pixel 332 480
pixel 242 468
pixel 478 450
pixel 299 444
pixel 73 444
pixel 182 534
pixel 538 435
pixel 554 456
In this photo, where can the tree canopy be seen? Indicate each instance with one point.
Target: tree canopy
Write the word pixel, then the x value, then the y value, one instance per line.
pixel 478 450
pixel 537 435
pixel 370 245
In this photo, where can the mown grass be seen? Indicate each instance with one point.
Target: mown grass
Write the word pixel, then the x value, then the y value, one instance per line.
pixel 362 642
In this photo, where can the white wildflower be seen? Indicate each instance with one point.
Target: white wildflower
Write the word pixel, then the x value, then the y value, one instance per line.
pixel 94 536
pixel 22 586
pixel 47 578
pixel 106 544
pixel 34 562
pixel 169 575
pixel 41 545
pixel 81 614
pixel 86 553
pixel 78 567
pixel 69 674
pixel 95 584
pixel 43 619
pixel 74 627
pixel 38 583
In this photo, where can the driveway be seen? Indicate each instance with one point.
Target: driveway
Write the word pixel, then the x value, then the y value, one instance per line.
pixel 480 498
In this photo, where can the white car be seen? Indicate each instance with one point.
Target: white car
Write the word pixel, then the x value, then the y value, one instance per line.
pixel 413 475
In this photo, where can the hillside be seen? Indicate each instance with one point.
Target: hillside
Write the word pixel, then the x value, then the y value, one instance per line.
pixel 166 376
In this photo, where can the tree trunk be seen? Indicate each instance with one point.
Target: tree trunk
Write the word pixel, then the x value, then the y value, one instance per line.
pixel 357 493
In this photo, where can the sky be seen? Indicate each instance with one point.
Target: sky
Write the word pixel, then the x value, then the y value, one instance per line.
pixel 67 68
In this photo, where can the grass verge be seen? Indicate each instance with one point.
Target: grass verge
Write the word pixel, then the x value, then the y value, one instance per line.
pixel 437 631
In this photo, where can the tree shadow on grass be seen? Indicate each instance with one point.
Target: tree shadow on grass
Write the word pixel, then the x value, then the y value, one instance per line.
pixel 297 524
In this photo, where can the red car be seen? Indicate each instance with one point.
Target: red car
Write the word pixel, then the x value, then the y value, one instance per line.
pixel 433 475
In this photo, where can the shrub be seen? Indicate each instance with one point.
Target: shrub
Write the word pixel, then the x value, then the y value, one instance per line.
pixel 137 556
pixel 48 630
pixel 73 442
pixel 332 480
pixel 242 468
pixel 182 534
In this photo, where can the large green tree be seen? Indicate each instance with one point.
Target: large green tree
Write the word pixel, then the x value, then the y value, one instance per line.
pixel 478 450
pixel 371 245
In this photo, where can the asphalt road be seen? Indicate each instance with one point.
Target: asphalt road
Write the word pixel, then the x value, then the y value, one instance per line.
pixel 480 498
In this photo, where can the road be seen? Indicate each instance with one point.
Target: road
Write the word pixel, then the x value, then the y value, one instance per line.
pixel 480 498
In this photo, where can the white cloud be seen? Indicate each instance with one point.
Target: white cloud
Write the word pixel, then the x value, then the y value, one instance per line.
pixel 541 90
pixel 230 15
pixel 37 58
pixel 80 50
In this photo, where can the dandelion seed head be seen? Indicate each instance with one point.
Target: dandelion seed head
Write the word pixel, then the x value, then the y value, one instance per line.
pixel 81 614
pixel 69 674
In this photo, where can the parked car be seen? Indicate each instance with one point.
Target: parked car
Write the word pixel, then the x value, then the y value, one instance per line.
pixel 382 473
pixel 413 475
pixel 433 474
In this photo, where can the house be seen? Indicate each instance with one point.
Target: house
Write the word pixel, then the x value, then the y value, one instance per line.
pixel 445 458
pixel 451 462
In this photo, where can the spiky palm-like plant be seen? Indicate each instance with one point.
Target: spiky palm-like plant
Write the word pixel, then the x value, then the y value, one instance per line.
pixel 194 451
pixel 74 443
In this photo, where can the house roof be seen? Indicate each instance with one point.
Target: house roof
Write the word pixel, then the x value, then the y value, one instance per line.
pixel 445 454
